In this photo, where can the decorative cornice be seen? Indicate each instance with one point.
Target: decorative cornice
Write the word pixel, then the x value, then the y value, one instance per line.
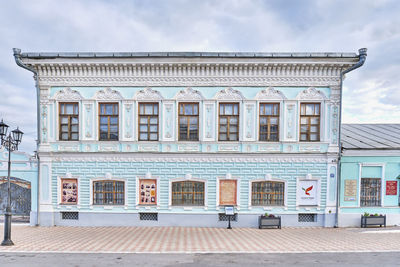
pixel 189 94
pixel 229 94
pixel 270 94
pixel 148 94
pixel 67 94
pixel 311 94
pixel 108 94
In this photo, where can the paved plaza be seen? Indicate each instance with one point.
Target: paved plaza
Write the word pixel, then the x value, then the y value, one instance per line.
pixel 201 240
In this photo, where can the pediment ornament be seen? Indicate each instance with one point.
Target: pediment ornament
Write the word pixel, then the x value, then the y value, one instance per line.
pixel 108 94
pixel 188 94
pixel 67 94
pixel 229 94
pixel 311 94
pixel 270 94
pixel 148 94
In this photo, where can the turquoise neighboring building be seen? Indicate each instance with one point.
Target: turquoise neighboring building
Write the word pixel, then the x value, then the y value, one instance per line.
pixel 370 172
pixel 24 177
pixel 170 139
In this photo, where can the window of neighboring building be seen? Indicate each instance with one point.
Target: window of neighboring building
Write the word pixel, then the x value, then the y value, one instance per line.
pixel 188 193
pixel 370 193
pixel 228 122
pixel 108 117
pixel 188 121
pixel 148 121
pixel 267 193
pixel 108 193
pixel 69 121
pixel 69 191
pixel 310 114
pixel 269 121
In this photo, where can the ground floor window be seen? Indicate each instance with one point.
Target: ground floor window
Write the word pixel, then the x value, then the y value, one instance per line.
pixel 267 193
pixel 188 193
pixel 148 191
pixel 69 191
pixel 370 193
pixel 108 192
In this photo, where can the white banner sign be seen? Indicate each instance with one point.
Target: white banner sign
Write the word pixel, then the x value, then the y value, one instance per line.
pixel 307 192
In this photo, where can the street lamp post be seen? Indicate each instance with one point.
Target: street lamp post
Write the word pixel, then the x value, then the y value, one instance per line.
pixel 10 142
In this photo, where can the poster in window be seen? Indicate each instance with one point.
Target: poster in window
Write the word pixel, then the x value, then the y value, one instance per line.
pixel 148 191
pixel 391 188
pixel 350 190
pixel 307 192
pixel 69 191
pixel 227 192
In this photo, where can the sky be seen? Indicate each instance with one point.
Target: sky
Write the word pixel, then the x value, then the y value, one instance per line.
pixel 371 93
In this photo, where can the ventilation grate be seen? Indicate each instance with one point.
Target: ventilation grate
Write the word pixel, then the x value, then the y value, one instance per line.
pixel 224 217
pixel 307 217
pixel 148 216
pixel 70 215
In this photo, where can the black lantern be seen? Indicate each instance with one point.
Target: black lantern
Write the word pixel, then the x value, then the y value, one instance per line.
pixel 17 135
pixel 3 128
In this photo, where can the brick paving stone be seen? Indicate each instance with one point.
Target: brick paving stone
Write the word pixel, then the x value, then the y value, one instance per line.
pixel 206 240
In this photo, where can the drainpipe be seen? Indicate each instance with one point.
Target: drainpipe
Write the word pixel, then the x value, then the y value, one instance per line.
pixel 361 60
pixel 17 57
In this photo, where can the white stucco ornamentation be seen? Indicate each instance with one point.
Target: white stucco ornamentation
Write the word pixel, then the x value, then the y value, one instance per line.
pixel 108 94
pixel 229 94
pixel 148 94
pixel 67 94
pixel 270 94
pixel 189 94
pixel 311 94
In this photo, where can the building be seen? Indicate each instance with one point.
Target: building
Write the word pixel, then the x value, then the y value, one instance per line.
pixel 172 138
pixel 370 169
pixel 23 180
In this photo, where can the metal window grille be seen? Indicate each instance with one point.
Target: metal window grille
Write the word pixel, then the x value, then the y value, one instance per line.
pixel 370 192
pixel 148 216
pixel 188 193
pixel 224 217
pixel 108 193
pixel 70 215
pixel 268 193
pixel 307 217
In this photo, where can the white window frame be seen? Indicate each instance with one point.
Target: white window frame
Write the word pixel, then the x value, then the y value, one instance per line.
pixel 188 177
pixel 109 177
pixel 268 178
pixel 360 165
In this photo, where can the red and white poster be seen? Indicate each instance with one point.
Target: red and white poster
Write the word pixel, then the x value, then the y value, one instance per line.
pixel 307 193
pixel 391 188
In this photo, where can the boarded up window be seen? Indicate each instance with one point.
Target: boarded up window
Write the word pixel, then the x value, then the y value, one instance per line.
pixel 227 192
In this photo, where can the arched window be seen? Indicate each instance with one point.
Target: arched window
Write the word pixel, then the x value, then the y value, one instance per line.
pixel 188 193
pixel 108 192
pixel 268 193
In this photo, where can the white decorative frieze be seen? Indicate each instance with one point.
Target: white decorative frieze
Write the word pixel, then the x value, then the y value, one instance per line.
pixel 228 148
pixel 108 94
pixel 270 94
pixel 188 148
pixel 269 148
pixel 148 148
pixel 67 94
pixel 311 94
pixel 309 148
pixel 189 94
pixel 229 94
pixel 108 148
pixel 148 94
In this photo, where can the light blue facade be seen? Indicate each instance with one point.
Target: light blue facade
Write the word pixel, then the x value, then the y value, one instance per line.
pixel 385 166
pixel 307 170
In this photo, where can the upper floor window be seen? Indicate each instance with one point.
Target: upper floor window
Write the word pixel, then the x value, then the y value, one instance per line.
pixel 188 193
pixel 269 121
pixel 228 122
pixel 148 121
pixel 69 121
pixel 310 114
pixel 267 193
pixel 370 193
pixel 108 117
pixel 188 121
pixel 108 192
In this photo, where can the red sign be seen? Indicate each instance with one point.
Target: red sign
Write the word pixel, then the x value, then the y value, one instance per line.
pixel 391 188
